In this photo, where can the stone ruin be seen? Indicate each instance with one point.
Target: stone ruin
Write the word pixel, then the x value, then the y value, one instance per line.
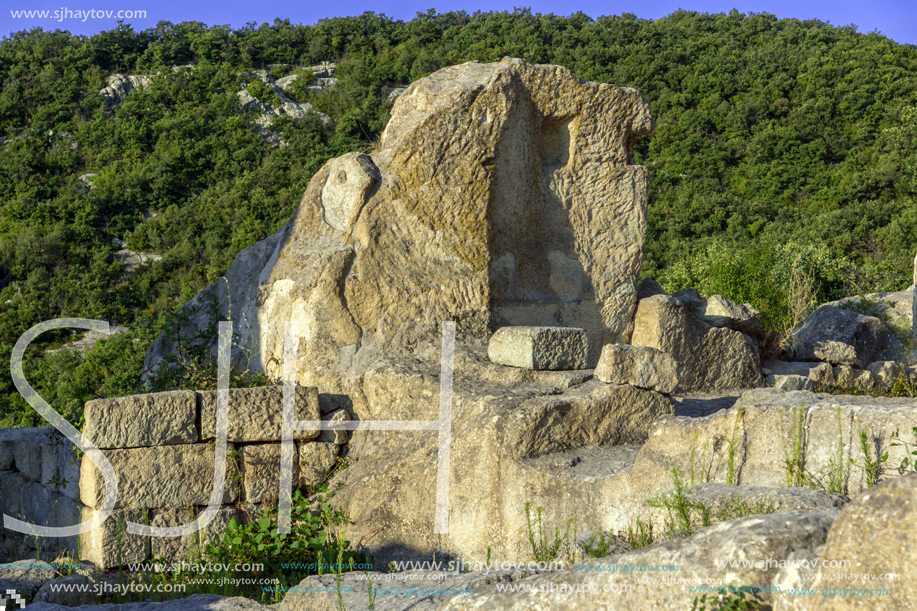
pixel 501 198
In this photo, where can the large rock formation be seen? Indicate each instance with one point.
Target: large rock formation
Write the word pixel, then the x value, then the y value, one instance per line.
pixel 501 194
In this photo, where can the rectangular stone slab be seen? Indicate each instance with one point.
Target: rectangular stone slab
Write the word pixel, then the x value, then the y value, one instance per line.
pixel 539 347
pixel 165 476
pixel 105 545
pixel 256 414
pixel 142 421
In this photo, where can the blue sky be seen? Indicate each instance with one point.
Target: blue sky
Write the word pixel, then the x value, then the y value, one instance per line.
pixel 896 19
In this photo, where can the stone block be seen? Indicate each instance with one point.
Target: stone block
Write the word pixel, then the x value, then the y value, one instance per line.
pixel 174 549
pixel 261 472
pixel 638 366
pixel 256 414
pixel 109 544
pixel 141 421
pixel 60 466
pixel 886 372
pixel 790 382
pixel 540 348
pixel 9 438
pixel 340 437
pixel 315 461
pixel 165 476
pixel 212 533
pixel 27 452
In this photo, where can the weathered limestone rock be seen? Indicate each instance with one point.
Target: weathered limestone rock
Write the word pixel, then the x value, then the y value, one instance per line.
pixel 156 419
pixel 649 287
pixel 754 540
pixel 164 476
pixel 119 86
pixel 717 311
pixel 638 366
pixel 707 357
pixel 875 535
pixel 844 376
pixel 25 577
pixel 789 382
pixel 886 372
pixel 261 472
pixel 864 379
pixel 340 436
pixel 769 421
pixel 65 590
pixel 315 461
pixel 835 353
pixel 539 347
pixel 821 374
pixel 869 337
pixel 105 545
pixel 896 308
pixel 256 414
pixel 500 195
pixel 722 496
pixel 173 549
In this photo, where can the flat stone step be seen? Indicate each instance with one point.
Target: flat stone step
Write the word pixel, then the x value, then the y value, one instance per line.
pixel 699 404
pixel 588 464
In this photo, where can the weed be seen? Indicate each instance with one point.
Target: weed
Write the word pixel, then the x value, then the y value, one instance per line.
pixel 727 599
pixel 639 535
pixel 907 463
pixel 872 467
pixel 600 548
pixel 836 466
pixel 542 550
pixel 371 602
pixel 793 463
pixel 731 448
pixel 693 447
pixel 679 521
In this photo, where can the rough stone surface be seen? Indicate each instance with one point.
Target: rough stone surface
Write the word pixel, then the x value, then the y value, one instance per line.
pixel 539 347
pixel 875 534
pixel 173 549
pixel 835 353
pixel 504 420
pixel 198 602
pixel 415 590
pixel 790 382
pixel 869 337
pixel 156 419
pixel 754 539
pixel 720 496
pixel 638 366
pixel 649 287
pixel 886 372
pixel 707 357
pixel 821 374
pixel 717 311
pixel 101 545
pixel 24 576
pixel 768 422
pixel 864 379
pixel 895 307
pixel 339 437
pixel 261 472
pixel 315 461
pixel 844 375
pixel 507 186
pixel 256 414
pixel 164 476
pixel 54 592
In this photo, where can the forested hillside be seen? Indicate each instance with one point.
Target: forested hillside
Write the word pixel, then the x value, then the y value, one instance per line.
pixel 780 145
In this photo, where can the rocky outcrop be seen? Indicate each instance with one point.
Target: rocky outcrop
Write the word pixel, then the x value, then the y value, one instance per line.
pixel 488 202
pixel 867 337
pixel 708 357
pixel 119 86
pixel 874 535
